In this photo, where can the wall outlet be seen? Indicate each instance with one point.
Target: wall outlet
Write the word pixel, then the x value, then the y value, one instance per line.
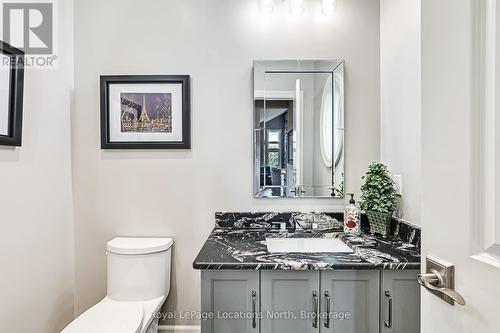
pixel 398 181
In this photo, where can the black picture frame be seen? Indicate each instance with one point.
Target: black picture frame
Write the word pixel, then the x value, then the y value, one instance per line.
pixel 16 87
pixel 184 80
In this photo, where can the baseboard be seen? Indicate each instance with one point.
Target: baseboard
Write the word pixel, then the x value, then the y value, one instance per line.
pixel 178 328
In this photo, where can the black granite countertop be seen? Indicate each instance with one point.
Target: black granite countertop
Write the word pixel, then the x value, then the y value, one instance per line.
pixel 246 249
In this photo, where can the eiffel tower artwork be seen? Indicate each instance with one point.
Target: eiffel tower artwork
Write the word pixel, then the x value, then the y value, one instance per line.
pixel 144 122
pixel 146 112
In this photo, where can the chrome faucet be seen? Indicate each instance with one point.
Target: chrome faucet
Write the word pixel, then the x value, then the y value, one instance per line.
pixel 282 226
pixel 305 225
pixel 300 225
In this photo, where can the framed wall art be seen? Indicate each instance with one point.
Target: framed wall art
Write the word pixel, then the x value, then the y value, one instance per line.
pixel 145 112
pixel 11 95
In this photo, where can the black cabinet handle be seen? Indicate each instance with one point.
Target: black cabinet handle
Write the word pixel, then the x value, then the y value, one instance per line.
pixel 316 309
pixel 327 300
pixel 388 323
pixel 254 309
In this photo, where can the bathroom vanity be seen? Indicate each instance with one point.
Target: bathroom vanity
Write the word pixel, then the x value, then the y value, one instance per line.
pixel 368 287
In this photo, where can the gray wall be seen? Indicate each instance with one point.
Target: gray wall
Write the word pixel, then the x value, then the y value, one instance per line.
pixel 175 193
pixel 37 238
pixel 401 98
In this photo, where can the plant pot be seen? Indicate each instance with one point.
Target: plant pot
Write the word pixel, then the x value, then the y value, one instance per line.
pixel 380 223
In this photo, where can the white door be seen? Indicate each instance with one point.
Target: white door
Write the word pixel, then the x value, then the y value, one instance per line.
pixel 461 151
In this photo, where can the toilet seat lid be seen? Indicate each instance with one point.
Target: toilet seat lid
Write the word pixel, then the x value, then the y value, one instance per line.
pixel 109 316
pixel 134 245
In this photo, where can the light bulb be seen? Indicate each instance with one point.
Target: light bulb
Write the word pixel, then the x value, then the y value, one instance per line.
pixel 328 6
pixel 296 7
pixel 266 6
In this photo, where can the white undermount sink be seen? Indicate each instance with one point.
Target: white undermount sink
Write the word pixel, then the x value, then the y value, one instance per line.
pixel 306 245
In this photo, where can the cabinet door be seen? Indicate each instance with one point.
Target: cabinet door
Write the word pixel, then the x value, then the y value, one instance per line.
pixel 290 302
pixel 350 301
pixel 400 295
pixel 232 297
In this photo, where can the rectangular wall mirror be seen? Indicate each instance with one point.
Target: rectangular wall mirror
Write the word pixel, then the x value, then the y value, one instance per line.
pixel 299 128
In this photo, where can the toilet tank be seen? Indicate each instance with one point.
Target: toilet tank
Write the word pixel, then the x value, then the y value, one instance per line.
pixel 138 268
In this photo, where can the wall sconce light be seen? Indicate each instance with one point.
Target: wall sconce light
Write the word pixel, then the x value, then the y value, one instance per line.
pixel 328 6
pixel 297 7
pixel 266 6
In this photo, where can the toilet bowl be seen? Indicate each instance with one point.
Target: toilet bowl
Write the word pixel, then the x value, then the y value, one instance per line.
pixel 137 286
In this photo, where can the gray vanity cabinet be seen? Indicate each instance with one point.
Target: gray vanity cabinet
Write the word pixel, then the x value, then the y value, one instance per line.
pixel 290 301
pixel 274 301
pixel 226 293
pixel 352 300
pixel 400 295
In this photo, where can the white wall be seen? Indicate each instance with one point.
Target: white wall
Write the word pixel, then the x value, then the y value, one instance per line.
pixel 401 106
pixel 37 239
pixel 175 193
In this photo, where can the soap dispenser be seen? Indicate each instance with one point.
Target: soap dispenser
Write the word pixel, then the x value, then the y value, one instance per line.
pixel 352 217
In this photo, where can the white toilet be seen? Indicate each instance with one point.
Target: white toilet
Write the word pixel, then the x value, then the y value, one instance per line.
pixel 138 284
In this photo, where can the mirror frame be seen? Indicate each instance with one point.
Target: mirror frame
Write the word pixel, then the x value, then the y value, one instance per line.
pixel 261 68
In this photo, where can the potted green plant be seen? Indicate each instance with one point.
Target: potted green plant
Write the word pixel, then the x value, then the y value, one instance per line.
pixel 378 198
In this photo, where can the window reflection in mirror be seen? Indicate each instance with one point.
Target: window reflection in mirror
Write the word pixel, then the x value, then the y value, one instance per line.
pixel 298 128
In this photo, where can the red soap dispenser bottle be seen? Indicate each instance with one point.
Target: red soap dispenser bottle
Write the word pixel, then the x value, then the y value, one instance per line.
pixel 352 217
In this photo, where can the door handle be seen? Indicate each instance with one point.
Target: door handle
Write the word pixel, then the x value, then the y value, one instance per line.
pixel 315 309
pixel 254 309
pixel 433 282
pixel 388 323
pixel 327 301
pixel 439 279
